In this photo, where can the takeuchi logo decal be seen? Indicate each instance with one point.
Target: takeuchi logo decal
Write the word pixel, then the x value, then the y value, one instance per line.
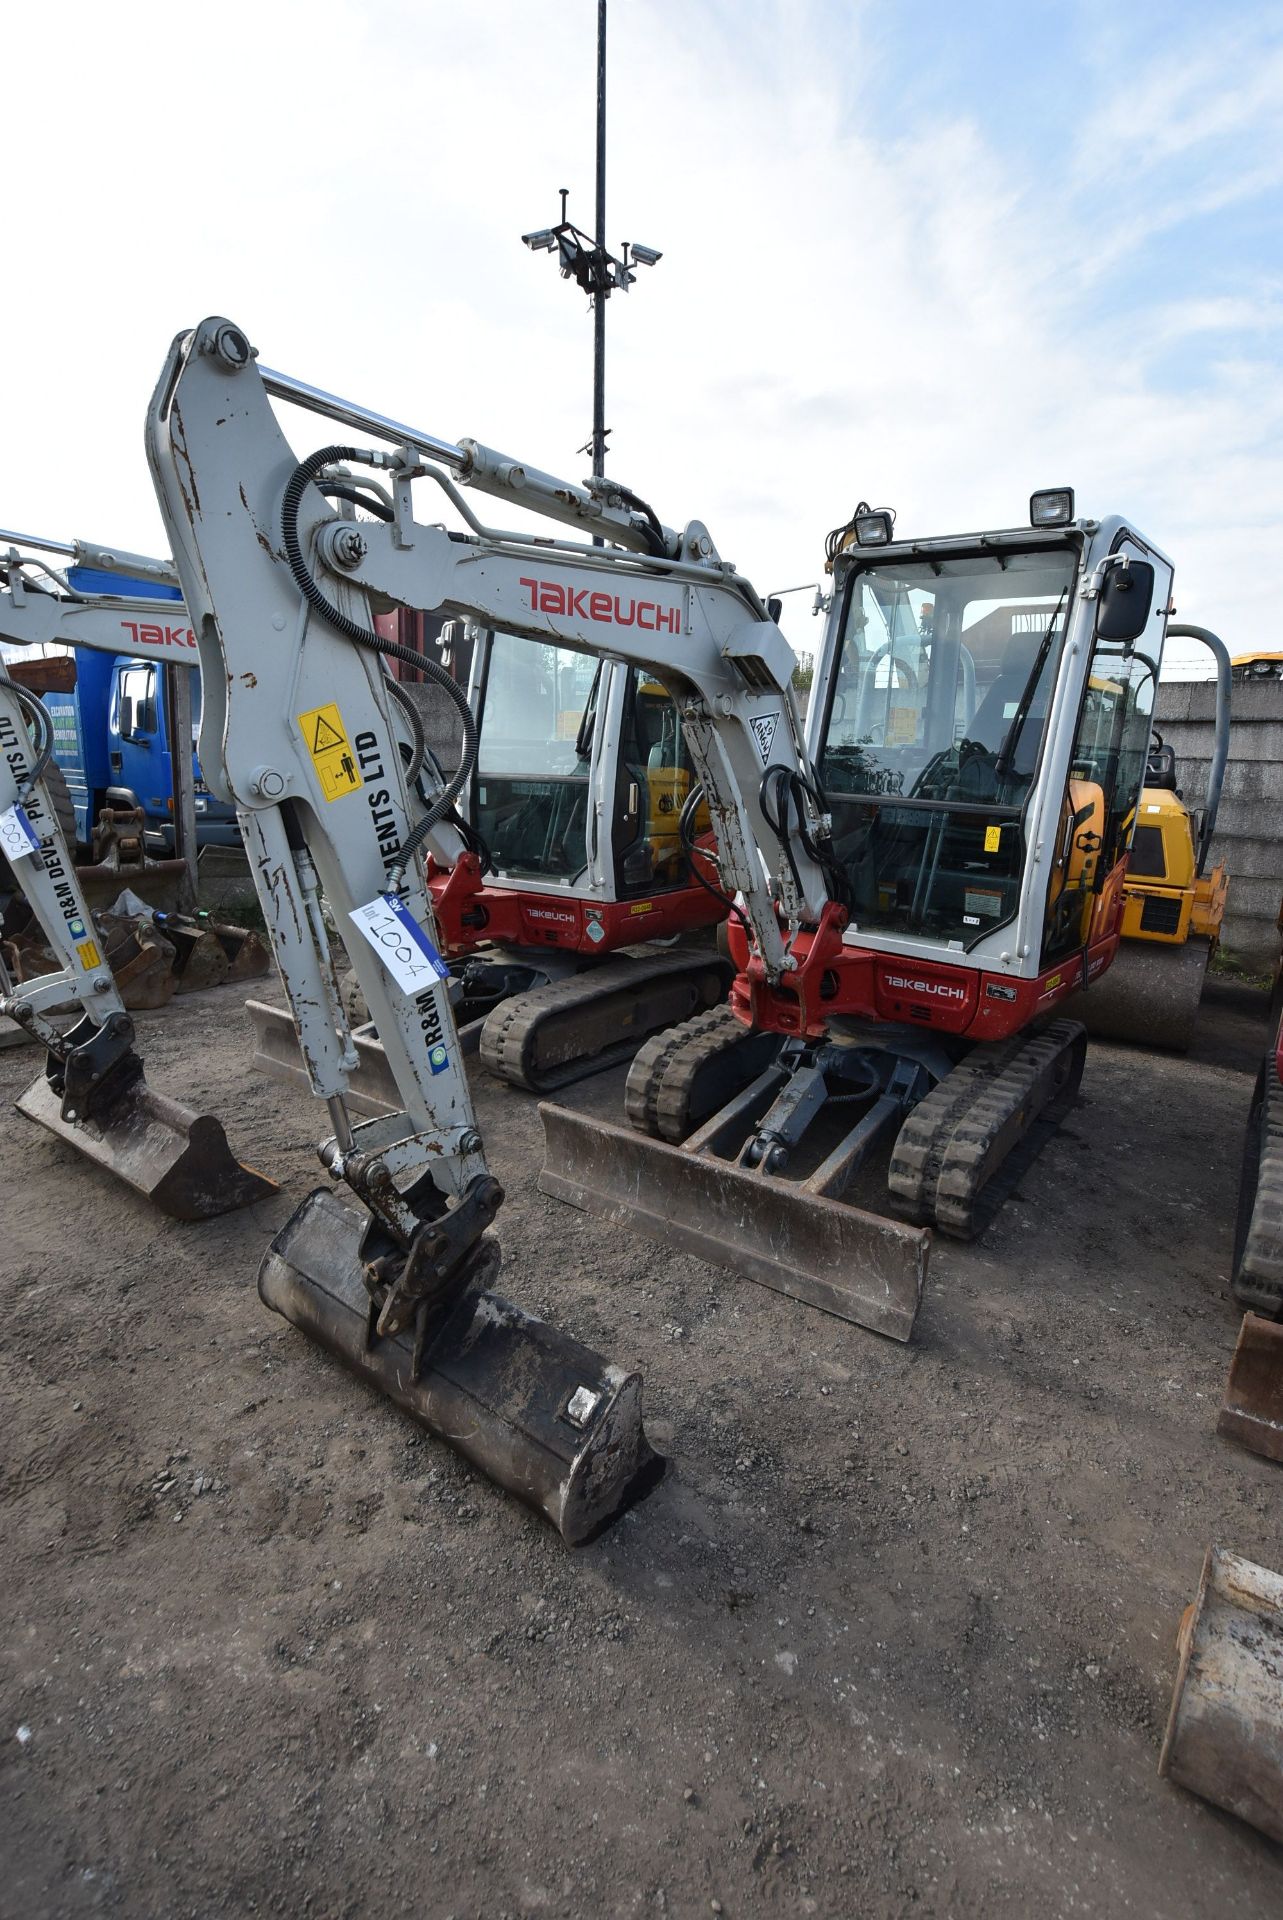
pixel 609 609
pixel 156 636
pixel 935 989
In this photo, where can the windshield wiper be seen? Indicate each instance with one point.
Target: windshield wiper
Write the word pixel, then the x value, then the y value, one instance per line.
pixel 1002 765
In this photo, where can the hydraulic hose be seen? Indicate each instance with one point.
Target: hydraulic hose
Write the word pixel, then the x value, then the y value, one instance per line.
pixel 299 480
pixel 38 718
pixel 686 834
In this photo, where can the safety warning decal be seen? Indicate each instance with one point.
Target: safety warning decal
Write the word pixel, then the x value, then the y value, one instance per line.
pixel 89 955
pixel 764 725
pixel 993 839
pixel 325 738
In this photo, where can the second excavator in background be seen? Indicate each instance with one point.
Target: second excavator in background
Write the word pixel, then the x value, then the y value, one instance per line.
pixel 92 1092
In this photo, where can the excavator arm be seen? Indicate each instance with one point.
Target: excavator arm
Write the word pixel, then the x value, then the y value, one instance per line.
pixel 304 730
pixel 92 1092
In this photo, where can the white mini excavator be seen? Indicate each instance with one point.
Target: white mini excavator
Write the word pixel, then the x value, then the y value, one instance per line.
pixel 912 897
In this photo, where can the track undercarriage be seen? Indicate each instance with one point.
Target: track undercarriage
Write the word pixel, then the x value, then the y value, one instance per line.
pixel 754 1139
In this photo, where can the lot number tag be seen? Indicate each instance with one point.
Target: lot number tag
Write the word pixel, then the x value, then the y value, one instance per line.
pixel 400 942
pixel 17 835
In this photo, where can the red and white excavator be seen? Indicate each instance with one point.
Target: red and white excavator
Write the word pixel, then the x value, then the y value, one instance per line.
pixel 915 886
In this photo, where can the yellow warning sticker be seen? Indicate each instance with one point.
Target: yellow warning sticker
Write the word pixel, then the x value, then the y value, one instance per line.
pixel 993 839
pixel 89 955
pixel 325 738
pixel 901 729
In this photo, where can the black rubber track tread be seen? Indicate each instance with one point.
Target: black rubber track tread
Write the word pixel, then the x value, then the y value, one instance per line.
pixel 945 1171
pixel 511 1032
pixel 656 1055
pixel 1257 1280
pixel 921 1142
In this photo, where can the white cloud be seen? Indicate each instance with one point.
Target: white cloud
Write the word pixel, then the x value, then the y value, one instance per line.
pixel 838 314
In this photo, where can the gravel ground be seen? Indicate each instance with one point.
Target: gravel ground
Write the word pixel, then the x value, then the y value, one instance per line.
pixel 894 1635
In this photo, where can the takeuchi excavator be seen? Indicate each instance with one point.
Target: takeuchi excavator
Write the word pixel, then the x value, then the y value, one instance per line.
pixel 92 1092
pixel 912 898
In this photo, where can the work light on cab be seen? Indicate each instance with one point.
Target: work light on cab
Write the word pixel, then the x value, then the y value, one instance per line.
pixel 1053 507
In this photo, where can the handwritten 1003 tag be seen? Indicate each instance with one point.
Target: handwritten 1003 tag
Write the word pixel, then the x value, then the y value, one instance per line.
pixel 18 838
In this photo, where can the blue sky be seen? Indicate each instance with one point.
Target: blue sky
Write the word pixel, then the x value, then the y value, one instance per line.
pixel 929 254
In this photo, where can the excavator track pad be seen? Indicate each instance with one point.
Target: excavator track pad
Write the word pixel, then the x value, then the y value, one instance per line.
pixel 1257 1277
pixel 961 1148
pixel 558 1033
pixel 530 1407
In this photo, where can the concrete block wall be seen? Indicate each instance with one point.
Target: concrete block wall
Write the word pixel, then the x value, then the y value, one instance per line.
pixel 1249 827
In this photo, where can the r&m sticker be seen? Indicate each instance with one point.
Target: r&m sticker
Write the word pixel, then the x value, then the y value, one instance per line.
pixel 88 955
pixel 325 738
pixel 993 839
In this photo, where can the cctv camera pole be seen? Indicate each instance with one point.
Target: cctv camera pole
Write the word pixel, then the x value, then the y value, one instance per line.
pixel 590 265
pixel 599 294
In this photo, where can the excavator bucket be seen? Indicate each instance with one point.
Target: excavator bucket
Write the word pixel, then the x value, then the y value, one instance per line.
pixel 1253 1409
pixel 1224 1737
pixel 248 955
pixel 859 1266
pixel 545 1417
pixel 199 958
pixel 1149 993
pixel 178 1159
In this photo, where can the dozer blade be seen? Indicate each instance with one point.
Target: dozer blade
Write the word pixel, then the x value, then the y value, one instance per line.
pixel 1253 1410
pixel 178 1159
pixel 1149 993
pixel 857 1265
pixel 276 1053
pixel 534 1410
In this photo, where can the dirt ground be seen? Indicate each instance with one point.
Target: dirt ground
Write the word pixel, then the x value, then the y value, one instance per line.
pixel 895 1634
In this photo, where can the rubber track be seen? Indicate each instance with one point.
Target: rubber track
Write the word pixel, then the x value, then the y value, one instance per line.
pixel 663 1075
pixel 511 1032
pixel 943 1166
pixel 1258 1278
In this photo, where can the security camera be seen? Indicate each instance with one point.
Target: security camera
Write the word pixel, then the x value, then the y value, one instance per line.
pixel 542 242
pixel 645 256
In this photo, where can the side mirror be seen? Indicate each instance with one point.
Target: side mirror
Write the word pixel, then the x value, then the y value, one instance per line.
pixel 775 607
pixel 1126 596
pixel 126 717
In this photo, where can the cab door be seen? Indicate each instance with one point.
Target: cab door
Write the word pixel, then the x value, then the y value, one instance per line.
pixel 1111 748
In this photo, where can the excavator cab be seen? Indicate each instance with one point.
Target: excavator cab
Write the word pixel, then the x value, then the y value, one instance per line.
pixel 566 740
